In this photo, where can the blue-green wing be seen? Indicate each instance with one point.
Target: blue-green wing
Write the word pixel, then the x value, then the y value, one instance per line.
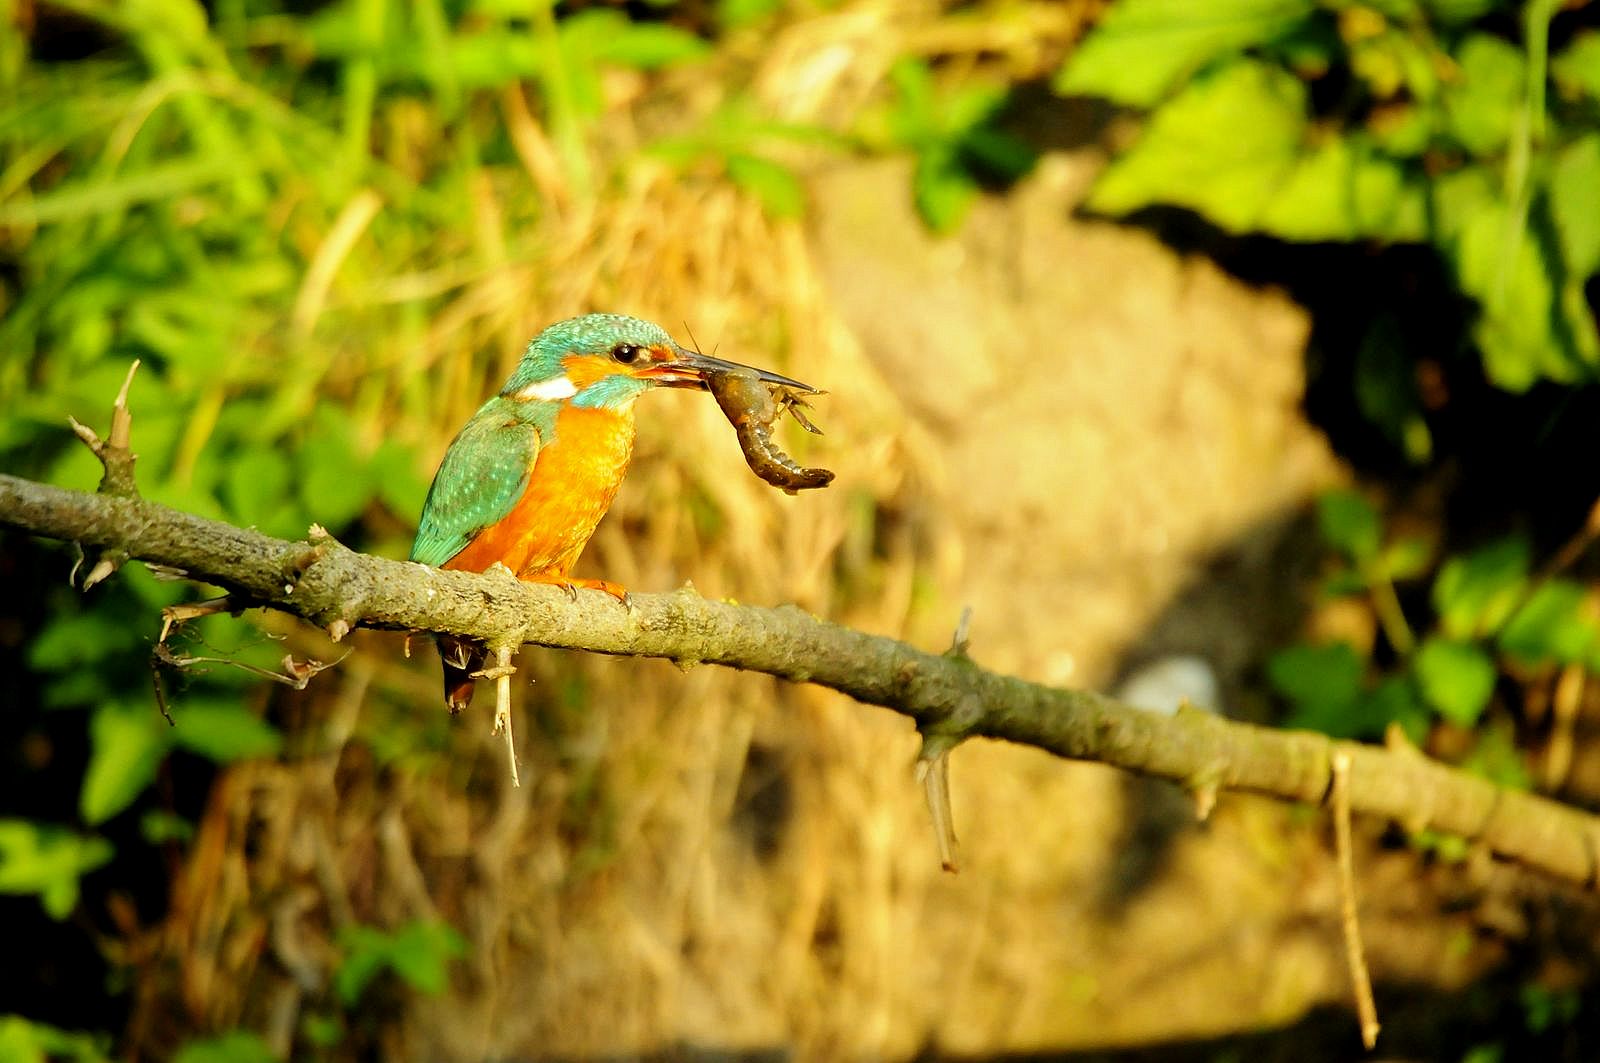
pixel 483 474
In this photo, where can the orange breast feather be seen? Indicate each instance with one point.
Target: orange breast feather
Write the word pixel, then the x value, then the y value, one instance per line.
pixel 574 479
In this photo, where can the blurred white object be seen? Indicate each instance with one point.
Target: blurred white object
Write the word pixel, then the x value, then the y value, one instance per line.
pixel 1165 683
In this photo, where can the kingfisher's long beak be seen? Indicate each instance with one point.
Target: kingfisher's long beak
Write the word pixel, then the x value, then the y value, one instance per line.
pixel 689 369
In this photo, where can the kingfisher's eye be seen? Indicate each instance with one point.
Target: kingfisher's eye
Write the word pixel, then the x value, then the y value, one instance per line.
pixel 626 353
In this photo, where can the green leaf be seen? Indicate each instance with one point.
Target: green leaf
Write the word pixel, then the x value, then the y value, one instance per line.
pixel 400 486
pixel 1553 625
pixel 366 955
pixel 1575 202
pixel 158 826
pixel 335 484
pixel 1543 1008
pixel 106 195
pixel 1496 757
pixel 73 640
pixel 943 190
pixel 1577 69
pixel 1452 849
pixel 487 59
pixel 322 1031
pixel 1392 701
pixel 1475 593
pixel 774 184
pixel 25 1041
pixel 224 731
pixel 420 953
pixel 127 745
pixel 995 154
pixel 1459 197
pixel 235 1046
pixel 1223 147
pixel 1344 190
pixel 1386 389
pixel 733 14
pixel 1321 682
pixel 914 120
pixel 1456 678
pixel 49 861
pixel 1502 266
pixel 1406 558
pixel 1350 525
pixel 1142 49
pixel 644 45
pixel 1457 12
pixel 258 485
pixel 1482 104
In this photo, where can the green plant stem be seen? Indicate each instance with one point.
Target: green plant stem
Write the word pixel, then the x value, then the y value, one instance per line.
pixel 1392 618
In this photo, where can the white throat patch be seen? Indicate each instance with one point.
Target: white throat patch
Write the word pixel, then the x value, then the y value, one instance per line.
pixel 551 390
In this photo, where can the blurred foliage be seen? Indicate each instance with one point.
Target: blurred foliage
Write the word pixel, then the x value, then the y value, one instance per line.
pixel 1492 624
pixel 25 1041
pixel 956 139
pixel 1445 122
pixel 48 861
pixel 237 1046
pixel 418 953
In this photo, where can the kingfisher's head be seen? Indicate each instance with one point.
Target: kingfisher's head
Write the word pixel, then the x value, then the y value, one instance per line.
pixel 609 360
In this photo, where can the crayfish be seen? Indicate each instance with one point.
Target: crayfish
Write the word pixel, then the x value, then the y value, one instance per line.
pixel 753 406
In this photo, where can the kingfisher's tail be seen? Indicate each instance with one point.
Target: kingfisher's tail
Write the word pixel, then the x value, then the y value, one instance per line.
pixel 461 658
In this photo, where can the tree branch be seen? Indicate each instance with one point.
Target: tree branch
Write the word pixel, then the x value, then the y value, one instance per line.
pixel 947 695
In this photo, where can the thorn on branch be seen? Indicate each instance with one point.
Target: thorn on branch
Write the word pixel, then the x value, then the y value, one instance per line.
pixel 933 772
pixel 301 563
pixel 108 563
pixel 501 673
pixel 166 573
pixel 961 639
pixel 117 479
pixel 939 737
pixel 175 616
pixel 113 451
pixel 1202 788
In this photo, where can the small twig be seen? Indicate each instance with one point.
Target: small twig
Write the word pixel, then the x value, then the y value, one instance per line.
pixel 160 692
pixel 1355 953
pixel 296 674
pixel 1565 702
pixel 501 673
pixel 1574 547
pixel 1391 617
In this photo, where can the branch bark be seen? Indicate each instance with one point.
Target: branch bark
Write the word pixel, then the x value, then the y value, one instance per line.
pixel 947 695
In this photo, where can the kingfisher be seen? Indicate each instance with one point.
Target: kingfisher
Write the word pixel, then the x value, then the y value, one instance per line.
pixel 526 481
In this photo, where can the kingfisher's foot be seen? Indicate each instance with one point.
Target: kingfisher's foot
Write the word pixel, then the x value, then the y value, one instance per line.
pixel 572 585
pixel 616 590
